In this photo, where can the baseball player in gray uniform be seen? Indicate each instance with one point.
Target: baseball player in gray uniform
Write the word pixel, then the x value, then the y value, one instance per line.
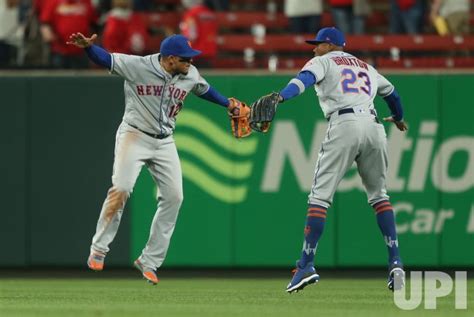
pixel 155 89
pixel 346 88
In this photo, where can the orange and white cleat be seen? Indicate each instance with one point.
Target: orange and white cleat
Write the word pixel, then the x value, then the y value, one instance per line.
pixel 96 261
pixel 148 273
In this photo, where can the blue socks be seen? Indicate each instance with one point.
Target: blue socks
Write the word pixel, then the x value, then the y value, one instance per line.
pixel 315 220
pixel 386 222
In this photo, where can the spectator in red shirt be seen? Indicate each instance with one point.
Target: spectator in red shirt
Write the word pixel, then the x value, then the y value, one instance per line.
pixel 124 32
pixel 199 25
pixel 61 18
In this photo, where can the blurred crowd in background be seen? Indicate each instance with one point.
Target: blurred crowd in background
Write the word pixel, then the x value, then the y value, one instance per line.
pixel 33 33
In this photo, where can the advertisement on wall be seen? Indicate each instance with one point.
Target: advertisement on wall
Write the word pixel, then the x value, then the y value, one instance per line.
pixel 245 200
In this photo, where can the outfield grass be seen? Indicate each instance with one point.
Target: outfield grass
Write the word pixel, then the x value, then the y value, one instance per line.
pixel 201 296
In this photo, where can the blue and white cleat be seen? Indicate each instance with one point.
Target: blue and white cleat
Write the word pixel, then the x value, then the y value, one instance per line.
pixel 396 276
pixel 302 277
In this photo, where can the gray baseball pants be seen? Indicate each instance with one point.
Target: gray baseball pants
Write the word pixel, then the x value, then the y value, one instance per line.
pixel 133 149
pixel 351 137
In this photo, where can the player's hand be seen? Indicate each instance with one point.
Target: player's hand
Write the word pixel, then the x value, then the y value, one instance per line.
pixel 401 125
pixel 79 40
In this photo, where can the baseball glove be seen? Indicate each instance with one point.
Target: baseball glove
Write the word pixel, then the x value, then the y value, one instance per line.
pixel 239 114
pixel 263 111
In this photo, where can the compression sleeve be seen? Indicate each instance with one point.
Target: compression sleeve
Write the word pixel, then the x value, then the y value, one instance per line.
pixel 99 56
pixel 297 85
pixel 214 96
pixel 394 103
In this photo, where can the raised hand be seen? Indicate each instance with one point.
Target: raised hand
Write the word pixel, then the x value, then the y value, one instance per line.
pixel 79 40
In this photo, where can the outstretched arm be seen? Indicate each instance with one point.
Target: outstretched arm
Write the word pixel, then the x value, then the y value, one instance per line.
pixel 238 112
pixel 96 53
pixel 297 85
pixel 264 109
pixel 214 96
pixel 394 103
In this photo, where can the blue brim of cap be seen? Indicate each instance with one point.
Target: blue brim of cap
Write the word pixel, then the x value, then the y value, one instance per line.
pixel 191 53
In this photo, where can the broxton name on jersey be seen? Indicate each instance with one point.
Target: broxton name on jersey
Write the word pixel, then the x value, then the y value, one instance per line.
pixel 359 86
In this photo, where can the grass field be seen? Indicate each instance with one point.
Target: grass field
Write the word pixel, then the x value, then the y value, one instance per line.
pixel 192 295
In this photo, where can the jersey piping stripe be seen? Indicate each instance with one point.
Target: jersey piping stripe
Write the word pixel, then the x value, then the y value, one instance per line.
pixel 164 92
pixel 161 109
pixel 157 70
pixel 319 161
pixel 112 64
pixel 167 117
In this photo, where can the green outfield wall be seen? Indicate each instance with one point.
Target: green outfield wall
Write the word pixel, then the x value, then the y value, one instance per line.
pixel 244 201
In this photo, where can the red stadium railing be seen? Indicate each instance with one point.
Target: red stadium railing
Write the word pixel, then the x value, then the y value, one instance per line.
pixel 239 20
pixel 377 43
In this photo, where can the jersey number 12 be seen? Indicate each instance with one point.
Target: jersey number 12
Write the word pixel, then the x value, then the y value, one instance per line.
pixel 175 109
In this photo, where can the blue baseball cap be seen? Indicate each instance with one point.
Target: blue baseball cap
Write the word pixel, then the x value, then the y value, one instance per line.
pixel 177 45
pixel 329 35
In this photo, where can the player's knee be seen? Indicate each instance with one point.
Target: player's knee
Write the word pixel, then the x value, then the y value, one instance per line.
pixel 115 202
pixel 175 197
pixel 117 197
pixel 121 184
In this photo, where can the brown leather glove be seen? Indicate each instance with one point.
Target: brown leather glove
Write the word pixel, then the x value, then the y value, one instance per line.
pixel 239 114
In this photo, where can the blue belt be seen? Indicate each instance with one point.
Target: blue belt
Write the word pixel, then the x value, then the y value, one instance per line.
pixel 155 136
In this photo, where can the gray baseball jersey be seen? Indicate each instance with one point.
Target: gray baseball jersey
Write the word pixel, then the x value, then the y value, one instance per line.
pixel 354 135
pixel 344 81
pixel 153 97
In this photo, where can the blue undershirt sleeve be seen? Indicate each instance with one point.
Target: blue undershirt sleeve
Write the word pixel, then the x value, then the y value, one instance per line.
pixel 290 91
pixel 298 84
pixel 99 56
pixel 394 103
pixel 214 96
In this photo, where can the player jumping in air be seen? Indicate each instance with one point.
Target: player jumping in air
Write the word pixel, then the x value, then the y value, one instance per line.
pixel 346 88
pixel 155 89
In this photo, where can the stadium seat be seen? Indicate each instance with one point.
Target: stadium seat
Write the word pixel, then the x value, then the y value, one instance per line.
pixel 269 43
pixel 385 50
pixel 376 43
pixel 260 63
pixel 377 20
pixel 426 62
pixel 161 19
pixel 238 20
pixel 245 19
pixel 410 42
